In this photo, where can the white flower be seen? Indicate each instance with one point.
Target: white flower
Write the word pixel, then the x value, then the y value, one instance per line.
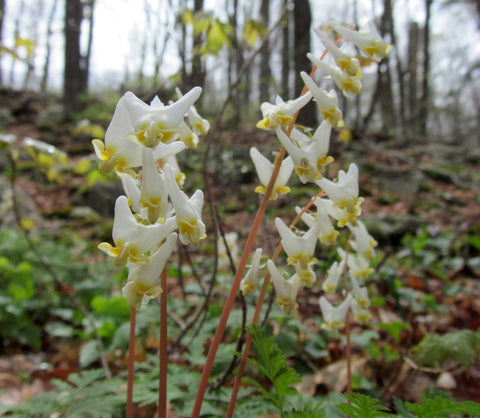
pixel 143 279
pixel 132 191
pixel 154 124
pixel 264 170
pixel 333 276
pixel 358 265
pixel 345 61
pixel 250 281
pixel 328 234
pixel 327 103
pixel 286 290
pixel 369 42
pixel 334 317
pixel 300 250
pixel 118 152
pixel 154 194
pixel 348 84
pixel 361 315
pixel 281 113
pixel 360 294
pixel 309 160
pixel 364 243
pixel 132 240
pixel 344 194
pixel 188 211
pixel 223 260
pixel 200 126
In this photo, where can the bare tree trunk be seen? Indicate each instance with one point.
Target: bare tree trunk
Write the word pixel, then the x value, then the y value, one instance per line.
pixel 303 19
pixel 412 86
pixel 286 54
pixel 16 34
pixel 85 60
pixel 265 70
pixel 2 14
pixel 146 35
pixel 197 76
pixel 73 74
pixel 424 101
pixel 48 48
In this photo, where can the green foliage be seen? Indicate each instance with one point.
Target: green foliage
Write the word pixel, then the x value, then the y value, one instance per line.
pixel 83 395
pixel 438 407
pixel 253 31
pixel 271 362
pixel 363 406
pixel 461 346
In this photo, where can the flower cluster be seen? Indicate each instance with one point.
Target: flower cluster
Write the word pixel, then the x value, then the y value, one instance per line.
pixel 338 204
pixel 141 144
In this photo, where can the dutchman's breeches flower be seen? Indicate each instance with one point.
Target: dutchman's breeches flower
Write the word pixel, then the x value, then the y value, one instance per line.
pixel 286 290
pixel 188 211
pixel 143 279
pixel 118 152
pixel 251 279
pixel 364 244
pixel 369 42
pixel 300 250
pixel 327 103
pixel 344 194
pixel 281 113
pixel 311 159
pixel 348 84
pixel 264 170
pixel 132 239
pixel 158 123
pixel 334 317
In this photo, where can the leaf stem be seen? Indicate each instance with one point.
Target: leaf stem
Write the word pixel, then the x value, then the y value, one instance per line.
pixel 163 350
pixel 131 363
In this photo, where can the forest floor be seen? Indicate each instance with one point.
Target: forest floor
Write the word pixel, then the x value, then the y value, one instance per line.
pixel 410 188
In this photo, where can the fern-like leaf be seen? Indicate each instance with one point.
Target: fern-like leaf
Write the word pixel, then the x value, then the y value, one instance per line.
pixel 441 407
pixel 362 406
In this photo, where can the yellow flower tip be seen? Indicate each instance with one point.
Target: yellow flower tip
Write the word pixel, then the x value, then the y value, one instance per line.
pixel 352 85
pixel 260 189
pixel 283 190
pixel 186 226
pixel 248 288
pixel 287 305
pixel 307 278
pixel 363 318
pixel 333 326
pixel 108 249
pixel 190 141
pixel 328 289
pixel 180 178
pixel 264 124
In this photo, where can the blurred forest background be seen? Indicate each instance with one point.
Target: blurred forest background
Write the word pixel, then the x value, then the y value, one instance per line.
pixel 414 132
pixel 428 86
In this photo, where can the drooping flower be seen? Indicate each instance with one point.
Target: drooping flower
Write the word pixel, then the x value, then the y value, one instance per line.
pixel 364 244
pixel 333 276
pixel 358 265
pixel 361 315
pixel 344 61
pixel 132 239
pixel 143 279
pixel 200 126
pixel 251 279
pixel 286 290
pixel 154 194
pixel 118 152
pixel 334 317
pixel 310 160
pixel 264 170
pixel 327 103
pixel 350 85
pixel 154 124
pixel 188 211
pixel 300 250
pixel 344 194
pixel 281 113
pixel 369 42
pixel 360 294
pixel 231 239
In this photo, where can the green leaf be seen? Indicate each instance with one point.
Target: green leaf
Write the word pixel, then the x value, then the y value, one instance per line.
pixel 88 354
pixel 460 346
pixel 441 407
pixel 363 406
